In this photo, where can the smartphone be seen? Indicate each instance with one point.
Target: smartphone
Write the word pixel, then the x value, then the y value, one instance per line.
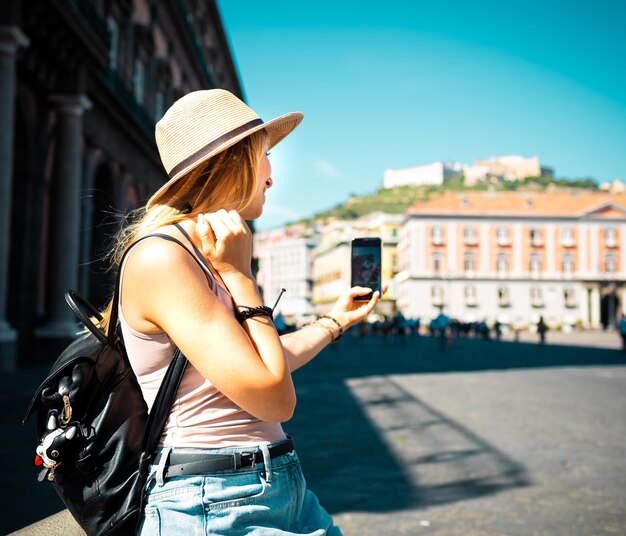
pixel 366 262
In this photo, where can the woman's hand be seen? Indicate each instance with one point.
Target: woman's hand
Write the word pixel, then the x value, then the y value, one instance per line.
pixel 348 311
pixel 226 242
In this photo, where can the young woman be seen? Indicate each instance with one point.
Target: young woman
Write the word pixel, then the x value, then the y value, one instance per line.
pixel 225 465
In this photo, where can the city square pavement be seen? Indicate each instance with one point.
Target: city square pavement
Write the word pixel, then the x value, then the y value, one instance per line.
pixel 396 437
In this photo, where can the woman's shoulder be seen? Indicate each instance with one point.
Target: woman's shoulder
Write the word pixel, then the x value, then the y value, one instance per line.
pixel 158 256
pixel 155 250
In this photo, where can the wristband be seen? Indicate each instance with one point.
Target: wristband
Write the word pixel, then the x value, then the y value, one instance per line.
pixel 244 312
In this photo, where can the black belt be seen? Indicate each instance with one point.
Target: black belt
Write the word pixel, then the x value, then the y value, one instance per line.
pixel 198 463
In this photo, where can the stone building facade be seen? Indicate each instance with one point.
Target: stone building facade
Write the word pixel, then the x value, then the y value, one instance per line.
pixel 285 261
pixel 513 257
pixel 82 84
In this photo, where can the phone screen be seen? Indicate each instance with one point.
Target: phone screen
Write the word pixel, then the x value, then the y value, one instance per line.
pixel 366 264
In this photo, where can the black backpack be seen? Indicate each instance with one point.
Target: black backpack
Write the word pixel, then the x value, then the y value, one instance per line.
pixel 96 439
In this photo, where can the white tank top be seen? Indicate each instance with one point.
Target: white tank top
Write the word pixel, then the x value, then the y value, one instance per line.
pixel 201 416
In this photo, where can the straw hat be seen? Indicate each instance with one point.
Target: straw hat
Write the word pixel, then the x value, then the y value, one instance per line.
pixel 204 123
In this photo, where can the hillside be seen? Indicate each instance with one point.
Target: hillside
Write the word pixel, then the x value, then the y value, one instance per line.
pixel 398 200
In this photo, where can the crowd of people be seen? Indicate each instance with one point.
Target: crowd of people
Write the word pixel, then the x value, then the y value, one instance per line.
pixel 397 327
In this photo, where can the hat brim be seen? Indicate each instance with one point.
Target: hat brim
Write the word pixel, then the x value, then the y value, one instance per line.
pixel 277 129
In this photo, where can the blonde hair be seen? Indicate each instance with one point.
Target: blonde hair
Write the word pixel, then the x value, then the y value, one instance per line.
pixel 225 181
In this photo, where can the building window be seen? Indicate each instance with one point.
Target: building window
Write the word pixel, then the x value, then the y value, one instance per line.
pixel 502 263
pixel 502 235
pixel 138 81
pixel 114 33
pixel 437 263
pixel 610 237
pixel 504 297
pixel 535 264
pixel 470 296
pixel 469 263
pixel 610 263
pixel 568 264
pixel 469 235
pixel 569 297
pixel 567 237
pixel 436 294
pixel 536 298
pixel 535 237
pixel 437 235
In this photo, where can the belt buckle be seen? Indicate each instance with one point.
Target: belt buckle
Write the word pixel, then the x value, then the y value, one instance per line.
pixel 248 457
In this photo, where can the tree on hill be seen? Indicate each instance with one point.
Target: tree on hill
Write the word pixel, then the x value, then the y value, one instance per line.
pixel 397 200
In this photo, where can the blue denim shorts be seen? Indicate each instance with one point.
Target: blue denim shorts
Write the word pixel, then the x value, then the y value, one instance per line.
pixel 256 501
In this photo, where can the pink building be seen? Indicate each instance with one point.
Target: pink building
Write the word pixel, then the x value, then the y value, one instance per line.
pixel 513 256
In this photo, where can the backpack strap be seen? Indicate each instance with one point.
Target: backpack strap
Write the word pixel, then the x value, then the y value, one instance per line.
pixel 111 332
pixel 195 248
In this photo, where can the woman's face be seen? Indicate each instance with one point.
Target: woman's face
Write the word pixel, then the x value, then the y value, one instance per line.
pixel 264 181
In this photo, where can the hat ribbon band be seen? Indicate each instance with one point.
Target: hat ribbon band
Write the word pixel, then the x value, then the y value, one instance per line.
pixel 201 153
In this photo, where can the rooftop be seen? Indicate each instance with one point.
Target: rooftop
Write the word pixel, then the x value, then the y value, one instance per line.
pixel 545 204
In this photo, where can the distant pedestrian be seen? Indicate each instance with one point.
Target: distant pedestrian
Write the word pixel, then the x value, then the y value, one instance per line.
pixel 441 325
pixel 541 329
pixel 622 330
pixel 497 327
pixel 483 330
pixel 399 327
pixel 387 327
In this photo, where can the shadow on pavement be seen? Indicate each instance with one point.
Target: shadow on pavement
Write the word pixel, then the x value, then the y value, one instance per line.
pixel 366 444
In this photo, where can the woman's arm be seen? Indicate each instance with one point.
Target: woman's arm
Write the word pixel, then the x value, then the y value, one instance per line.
pixel 165 290
pixel 304 344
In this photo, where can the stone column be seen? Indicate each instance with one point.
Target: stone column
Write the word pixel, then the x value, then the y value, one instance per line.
pixel 89 166
pixel 11 38
pixel 64 225
pixel 595 307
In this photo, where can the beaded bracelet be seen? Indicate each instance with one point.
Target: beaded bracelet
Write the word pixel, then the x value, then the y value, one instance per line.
pixel 317 324
pixel 244 312
pixel 336 323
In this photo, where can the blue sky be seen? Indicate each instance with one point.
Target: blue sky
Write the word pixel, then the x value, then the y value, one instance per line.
pixel 398 84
